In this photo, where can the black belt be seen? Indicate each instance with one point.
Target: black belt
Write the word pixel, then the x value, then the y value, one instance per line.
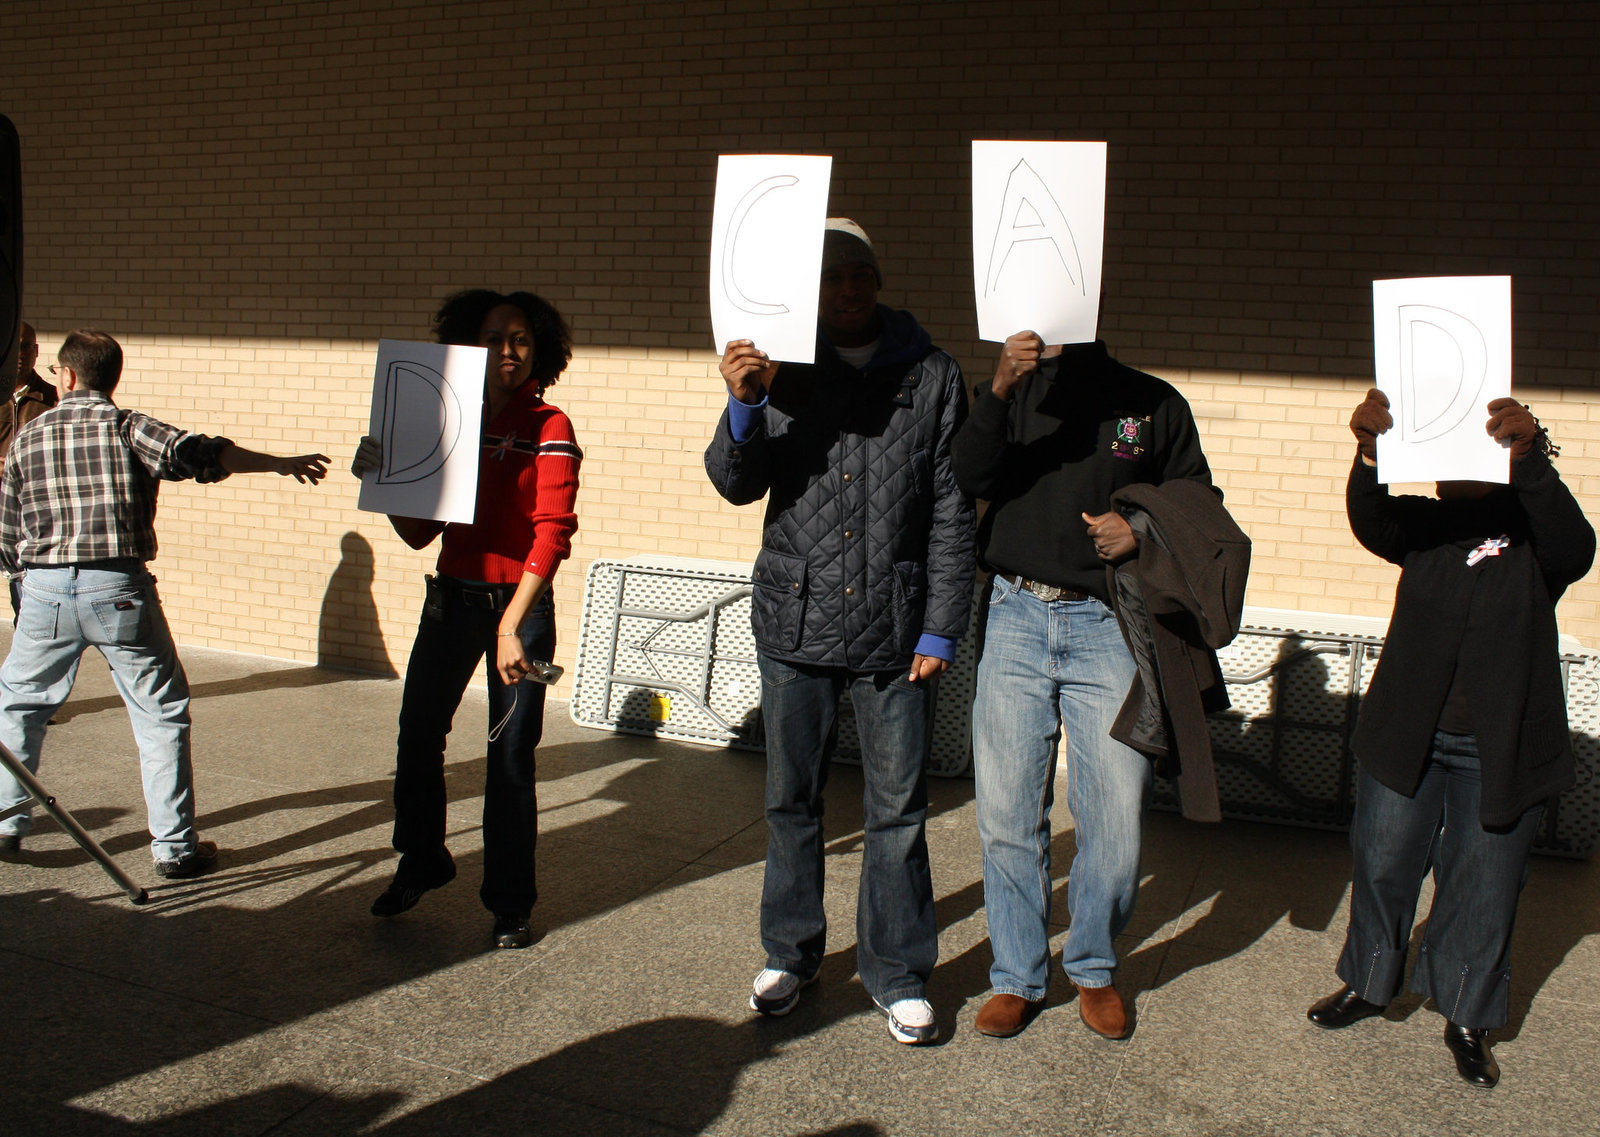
pixel 111 564
pixel 1046 592
pixel 494 597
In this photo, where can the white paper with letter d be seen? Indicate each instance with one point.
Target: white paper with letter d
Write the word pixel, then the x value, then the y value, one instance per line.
pixel 1038 238
pixel 1441 353
pixel 427 407
pixel 766 251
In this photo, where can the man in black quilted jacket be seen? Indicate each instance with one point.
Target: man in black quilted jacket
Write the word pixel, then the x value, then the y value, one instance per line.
pixel 863 583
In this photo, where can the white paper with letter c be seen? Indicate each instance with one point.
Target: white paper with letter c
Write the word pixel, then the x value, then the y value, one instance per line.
pixel 1441 353
pixel 766 251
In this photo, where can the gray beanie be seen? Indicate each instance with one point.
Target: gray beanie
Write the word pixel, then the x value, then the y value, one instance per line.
pixel 846 243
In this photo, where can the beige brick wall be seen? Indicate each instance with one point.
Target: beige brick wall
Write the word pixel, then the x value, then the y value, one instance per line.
pixel 250 201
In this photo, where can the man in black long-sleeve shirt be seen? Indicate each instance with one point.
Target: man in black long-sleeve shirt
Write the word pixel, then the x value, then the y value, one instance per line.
pixel 1048 441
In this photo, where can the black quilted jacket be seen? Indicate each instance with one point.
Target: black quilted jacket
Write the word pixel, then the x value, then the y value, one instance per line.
pixel 867 543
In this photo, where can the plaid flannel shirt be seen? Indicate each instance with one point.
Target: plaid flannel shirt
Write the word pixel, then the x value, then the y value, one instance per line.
pixel 80 482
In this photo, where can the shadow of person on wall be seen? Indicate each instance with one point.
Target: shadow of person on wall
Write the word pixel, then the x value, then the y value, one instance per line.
pixel 348 633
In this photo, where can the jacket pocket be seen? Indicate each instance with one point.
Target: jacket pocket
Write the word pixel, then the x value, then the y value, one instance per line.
pixel 922 473
pixel 910 603
pixel 778 599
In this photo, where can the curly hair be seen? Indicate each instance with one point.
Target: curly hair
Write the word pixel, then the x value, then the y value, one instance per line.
pixel 460 321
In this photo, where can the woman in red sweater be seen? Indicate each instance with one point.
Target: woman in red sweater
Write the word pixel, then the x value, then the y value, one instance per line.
pixel 491 600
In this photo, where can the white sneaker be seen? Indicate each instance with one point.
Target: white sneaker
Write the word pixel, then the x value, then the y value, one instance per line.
pixel 776 992
pixel 911 1020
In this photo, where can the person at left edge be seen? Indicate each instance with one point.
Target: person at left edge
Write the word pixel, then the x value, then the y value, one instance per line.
pixel 77 516
pixel 863 582
pixel 32 395
pixel 29 399
pixel 490 600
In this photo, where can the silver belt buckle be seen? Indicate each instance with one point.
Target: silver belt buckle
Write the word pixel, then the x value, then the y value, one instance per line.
pixel 1049 593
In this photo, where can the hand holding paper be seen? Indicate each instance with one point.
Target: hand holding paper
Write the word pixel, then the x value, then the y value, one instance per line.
pixel 1018 358
pixel 1513 426
pixel 369 456
pixel 1371 419
pixel 747 371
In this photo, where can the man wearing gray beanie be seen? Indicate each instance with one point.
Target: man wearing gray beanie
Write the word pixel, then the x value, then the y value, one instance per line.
pixel 863 583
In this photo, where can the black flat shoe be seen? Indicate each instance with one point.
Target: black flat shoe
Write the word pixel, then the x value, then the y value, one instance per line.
pixel 1340 1009
pixel 1474 1060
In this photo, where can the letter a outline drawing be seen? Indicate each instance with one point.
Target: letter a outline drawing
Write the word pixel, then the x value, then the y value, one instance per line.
pixel 1034 215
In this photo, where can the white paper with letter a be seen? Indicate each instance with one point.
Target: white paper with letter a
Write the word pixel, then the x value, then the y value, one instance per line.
pixel 766 251
pixel 1038 238
pixel 1441 353
pixel 427 408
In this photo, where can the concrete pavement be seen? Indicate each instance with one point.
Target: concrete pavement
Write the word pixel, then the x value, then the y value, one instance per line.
pixel 266 1000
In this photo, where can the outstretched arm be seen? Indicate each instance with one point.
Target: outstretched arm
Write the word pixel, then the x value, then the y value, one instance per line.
pixel 301 467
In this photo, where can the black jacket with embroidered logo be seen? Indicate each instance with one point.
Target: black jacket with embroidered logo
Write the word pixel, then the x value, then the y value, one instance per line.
pixel 1079 428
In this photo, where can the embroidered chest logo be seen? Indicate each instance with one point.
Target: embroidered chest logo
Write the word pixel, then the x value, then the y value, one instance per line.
pixel 1490 548
pixel 499 447
pixel 1132 437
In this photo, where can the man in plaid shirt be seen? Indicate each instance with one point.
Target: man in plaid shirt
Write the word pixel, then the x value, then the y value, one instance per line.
pixel 77 519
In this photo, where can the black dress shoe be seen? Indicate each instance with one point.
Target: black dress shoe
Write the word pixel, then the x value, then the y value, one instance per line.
pixel 402 894
pixel 1474 1060
pixel 511 930
pixel 1340 1009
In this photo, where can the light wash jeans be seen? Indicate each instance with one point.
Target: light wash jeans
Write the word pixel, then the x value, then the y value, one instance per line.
pixel 1045 666
pixel 897 940
pixel 112 607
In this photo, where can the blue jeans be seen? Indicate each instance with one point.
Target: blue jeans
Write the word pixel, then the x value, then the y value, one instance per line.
pixel 1046 666
pixel 115 609
pixel 896 939
pixel 448 646
pixel 1465 961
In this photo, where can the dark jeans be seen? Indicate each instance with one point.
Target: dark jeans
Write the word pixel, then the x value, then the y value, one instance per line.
pixel 1464 964
pixel 447 649
pixel 897 940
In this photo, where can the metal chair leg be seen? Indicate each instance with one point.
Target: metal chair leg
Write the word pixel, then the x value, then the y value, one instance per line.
pixel 41 797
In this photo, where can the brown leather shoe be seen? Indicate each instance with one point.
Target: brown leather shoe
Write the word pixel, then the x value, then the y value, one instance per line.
pixel 1103 1012
pixel 1005 1015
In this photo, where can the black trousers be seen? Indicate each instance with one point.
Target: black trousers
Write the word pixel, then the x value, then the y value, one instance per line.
pixel 449 644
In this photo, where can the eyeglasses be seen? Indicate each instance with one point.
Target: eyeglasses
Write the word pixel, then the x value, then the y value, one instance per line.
pixel 57 369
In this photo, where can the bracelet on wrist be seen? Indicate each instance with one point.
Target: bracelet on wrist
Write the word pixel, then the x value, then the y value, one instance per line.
pixel 498 634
